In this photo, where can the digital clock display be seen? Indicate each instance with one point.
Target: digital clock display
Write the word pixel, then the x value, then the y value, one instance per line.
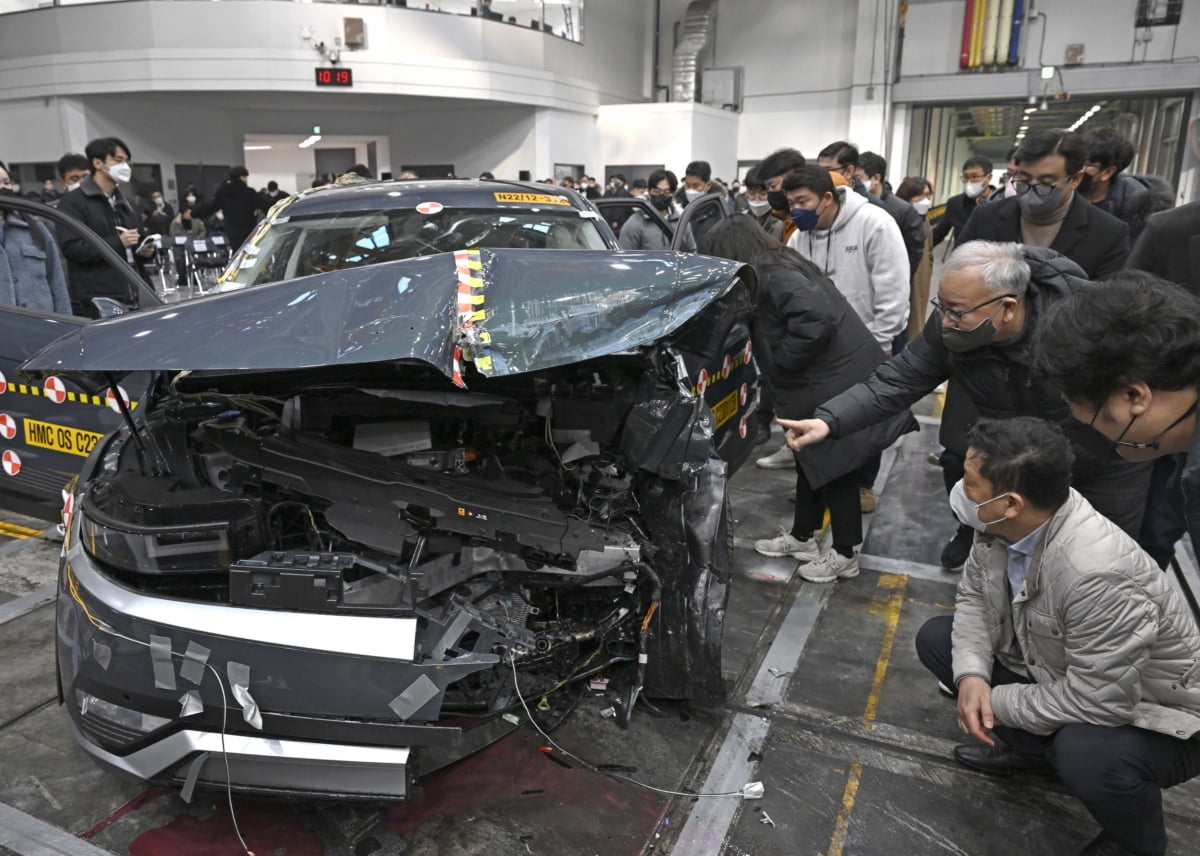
pixel 334 77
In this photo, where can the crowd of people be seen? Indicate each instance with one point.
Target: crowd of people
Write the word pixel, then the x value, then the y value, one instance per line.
pixel 1064 331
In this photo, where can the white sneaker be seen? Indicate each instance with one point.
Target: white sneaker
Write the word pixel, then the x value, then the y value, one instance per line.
pixel 785 544
pixel 829 567
pixel 782 458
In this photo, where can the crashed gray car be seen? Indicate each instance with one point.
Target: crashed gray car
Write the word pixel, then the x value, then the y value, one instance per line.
pixel 355 517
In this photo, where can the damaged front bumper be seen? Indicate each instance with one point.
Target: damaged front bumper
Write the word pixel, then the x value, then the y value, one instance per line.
pixel 168 691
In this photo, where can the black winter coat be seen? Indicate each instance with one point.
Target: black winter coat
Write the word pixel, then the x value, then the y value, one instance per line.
pixel 240 203
pixel 996 379
pixel 88 274
pixel 1097 242
pixel 912 225
pixel 1170 247
pixel 810 345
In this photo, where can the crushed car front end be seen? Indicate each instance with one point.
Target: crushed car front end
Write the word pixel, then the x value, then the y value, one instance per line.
pixel 334 579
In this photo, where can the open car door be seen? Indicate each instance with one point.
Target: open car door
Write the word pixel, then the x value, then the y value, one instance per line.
pixel 633 206
pixel 49 425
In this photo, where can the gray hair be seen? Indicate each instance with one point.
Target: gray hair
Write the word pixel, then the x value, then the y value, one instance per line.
pixel 1002 266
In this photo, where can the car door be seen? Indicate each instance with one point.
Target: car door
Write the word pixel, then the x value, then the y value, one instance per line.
pixel 723 370
pixel 49 425
pixel 634 205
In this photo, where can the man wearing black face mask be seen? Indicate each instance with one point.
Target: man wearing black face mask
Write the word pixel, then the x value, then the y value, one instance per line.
pixel 990 300
pixel 1047 211
pixel 771 172
pixel 640 232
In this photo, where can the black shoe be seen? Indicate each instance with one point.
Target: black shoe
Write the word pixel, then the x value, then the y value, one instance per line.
pixel 954 554
pixel 763 434
pixel 997 760
pixel 1102 845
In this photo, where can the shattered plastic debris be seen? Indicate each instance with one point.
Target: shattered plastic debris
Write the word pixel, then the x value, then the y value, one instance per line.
pixel 608 713
pixel 766 818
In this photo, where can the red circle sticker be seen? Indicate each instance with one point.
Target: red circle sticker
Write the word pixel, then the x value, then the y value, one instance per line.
pixel 8 426
pixel 111 400
pixel 12 462
pixel 727 366
pixel 742 428
pixel 3 384
pixel 55 390
pixel 743 395
pixel 702 381
pixel 429 208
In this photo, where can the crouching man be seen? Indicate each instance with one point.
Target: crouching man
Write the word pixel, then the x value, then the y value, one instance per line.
pixel 1068 648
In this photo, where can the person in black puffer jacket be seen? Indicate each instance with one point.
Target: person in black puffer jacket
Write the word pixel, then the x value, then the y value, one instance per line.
pixel 1132 198
pixel 990 299
pixel 810 344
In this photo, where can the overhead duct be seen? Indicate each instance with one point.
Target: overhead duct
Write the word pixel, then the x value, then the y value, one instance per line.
pixel 697 30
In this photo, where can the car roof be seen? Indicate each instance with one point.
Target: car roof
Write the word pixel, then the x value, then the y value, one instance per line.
pixel 450 193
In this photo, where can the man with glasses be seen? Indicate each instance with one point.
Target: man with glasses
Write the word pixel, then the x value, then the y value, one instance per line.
pixel 977 188
pixel 1048 212
pixel 640 231
pixel 1125 355
pixel 990 300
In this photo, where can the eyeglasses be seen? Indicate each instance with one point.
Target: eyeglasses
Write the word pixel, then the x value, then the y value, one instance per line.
pixel 957 315
pixel 967 179
pixel 1039 190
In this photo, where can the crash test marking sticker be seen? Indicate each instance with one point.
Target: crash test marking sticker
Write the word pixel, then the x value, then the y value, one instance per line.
pixel 12 462
pixel 532 198
pixel 430 208
pixel 111 400
pixel 748 349
pixel 3 383
pixel 726 366
pixel 742 428
pixel 55 390
pixel 743 395
pixel 702 381
pixel 60 438
pixel 8 426
pixel 726 408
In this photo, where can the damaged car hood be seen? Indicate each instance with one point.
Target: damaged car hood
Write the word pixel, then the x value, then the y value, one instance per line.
pixel 507 311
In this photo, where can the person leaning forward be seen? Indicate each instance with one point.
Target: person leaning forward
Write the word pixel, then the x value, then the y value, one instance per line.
pixel 990 301
pixel 1068 649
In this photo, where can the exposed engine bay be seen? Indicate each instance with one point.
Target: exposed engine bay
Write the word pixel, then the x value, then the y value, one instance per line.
pixel 527 525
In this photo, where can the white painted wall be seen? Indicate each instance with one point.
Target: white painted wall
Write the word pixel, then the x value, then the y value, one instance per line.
pixel 1106 29
pixel 669 133
pixel 255 45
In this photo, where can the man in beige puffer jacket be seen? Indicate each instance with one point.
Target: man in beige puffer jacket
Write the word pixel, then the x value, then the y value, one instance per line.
pixel 1068 647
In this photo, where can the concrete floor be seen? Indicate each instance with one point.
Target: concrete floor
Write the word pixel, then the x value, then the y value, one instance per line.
pixel 828 708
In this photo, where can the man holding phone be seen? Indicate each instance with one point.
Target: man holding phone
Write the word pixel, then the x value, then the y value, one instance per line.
pixel 100 205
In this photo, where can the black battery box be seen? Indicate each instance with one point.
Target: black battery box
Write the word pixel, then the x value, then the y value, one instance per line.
pixel 288 579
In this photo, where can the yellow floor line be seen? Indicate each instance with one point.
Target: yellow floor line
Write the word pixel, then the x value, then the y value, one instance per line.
pixel 895 584
pixel 891 613
pixel 842 827
pixel 12 530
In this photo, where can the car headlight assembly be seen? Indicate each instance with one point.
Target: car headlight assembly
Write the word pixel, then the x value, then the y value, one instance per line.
pixel 131 525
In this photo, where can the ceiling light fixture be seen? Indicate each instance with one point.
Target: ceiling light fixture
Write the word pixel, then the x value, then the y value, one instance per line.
pixel 255 148
pixel 311 141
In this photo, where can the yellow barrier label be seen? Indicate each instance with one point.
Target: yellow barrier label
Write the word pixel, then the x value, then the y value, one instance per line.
pixel 532 198
pixel 726 408
pixel 60 438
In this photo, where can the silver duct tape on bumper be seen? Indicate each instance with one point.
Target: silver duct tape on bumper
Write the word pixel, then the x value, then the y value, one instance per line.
pixel 267 764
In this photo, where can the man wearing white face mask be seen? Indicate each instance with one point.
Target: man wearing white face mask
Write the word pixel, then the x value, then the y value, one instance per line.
pixel 1049 212
pixel 976 173
pixel 100 204
pixel 1069 651
pixel 697 182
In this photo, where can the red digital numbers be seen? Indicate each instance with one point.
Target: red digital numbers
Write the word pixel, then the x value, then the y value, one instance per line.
pixel 334 77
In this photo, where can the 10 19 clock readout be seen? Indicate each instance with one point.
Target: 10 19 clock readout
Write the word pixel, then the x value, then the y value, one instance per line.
pixel 334 77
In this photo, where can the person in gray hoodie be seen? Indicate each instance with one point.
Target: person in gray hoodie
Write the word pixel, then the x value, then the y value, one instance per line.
pixel 857 245
pixel 31 269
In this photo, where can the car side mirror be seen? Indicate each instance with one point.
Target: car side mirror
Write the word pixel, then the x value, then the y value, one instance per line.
pixel 109 308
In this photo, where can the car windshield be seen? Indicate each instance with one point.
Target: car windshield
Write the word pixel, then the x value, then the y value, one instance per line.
pixel 303 245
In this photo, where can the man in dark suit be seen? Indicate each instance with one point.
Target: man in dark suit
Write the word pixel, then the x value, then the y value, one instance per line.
pixel 977 188
pixel 1169 247
pixel 1047 211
